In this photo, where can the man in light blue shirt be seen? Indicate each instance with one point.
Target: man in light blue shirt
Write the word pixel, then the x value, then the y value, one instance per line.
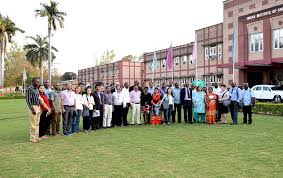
pixel 151 88
pixel 248 103
pixel 235 98
pixel 177 102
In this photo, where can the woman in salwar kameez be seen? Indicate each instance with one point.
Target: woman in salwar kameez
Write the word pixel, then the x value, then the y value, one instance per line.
pixel 211 106
pixel 199 105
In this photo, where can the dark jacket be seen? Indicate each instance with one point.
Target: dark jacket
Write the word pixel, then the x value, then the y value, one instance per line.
pixel 132 88
pixel 183 94
pixel 98 103
pixel 146 98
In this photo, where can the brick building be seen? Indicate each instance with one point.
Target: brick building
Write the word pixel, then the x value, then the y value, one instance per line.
pixel 258 26
pixel 120 71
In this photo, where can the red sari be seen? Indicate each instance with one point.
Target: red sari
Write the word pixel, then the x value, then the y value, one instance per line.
pixel 211 108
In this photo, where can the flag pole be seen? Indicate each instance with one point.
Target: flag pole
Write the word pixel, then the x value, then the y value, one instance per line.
pixel 196 77
pixel 173 63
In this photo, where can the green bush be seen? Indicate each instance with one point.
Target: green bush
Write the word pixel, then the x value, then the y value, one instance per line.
pixel 269 109
pixel 13 96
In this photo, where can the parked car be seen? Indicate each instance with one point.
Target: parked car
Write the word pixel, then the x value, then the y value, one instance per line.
pixel 268 93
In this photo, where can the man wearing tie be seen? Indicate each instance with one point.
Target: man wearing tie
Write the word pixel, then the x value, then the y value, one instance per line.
pixel 98 99
pixel 186 100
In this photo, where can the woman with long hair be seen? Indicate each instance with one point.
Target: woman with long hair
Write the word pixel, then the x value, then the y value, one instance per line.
pixel 78 110
pixel 88 108
pixel 168 106
pixel 45 112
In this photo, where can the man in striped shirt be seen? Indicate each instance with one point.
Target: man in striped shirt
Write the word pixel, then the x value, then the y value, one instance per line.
pixel 33 102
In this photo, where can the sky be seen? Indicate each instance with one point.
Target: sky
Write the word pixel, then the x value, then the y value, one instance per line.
pixel 127 26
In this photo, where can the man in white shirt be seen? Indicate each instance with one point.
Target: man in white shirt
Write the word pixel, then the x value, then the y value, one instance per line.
pixel 126 103
pixel 135 96
pixel 118 107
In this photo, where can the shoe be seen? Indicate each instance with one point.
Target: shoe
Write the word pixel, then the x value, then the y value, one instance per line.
pixel 34 141
pixel 66 135
pixel 168 124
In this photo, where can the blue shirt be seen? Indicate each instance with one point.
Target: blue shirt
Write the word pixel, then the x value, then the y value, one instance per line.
pixel 150 90
pixel 47 92
pixel 247 97
pixel 235 94
pixel 177 95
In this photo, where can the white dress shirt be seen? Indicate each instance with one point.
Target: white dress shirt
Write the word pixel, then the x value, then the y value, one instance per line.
pixel 126 96
pixel 88 101
pixel 118 98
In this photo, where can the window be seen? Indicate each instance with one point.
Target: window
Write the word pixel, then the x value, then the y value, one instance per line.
pixel 266 89
pixel 257 88
pixel 184 80
pixel 184 59
pixel 164 63
pixel 256 42
pixel 206 79
pixel 176 60
pixel 206 53
pixel 212 52
pixel 212 79
pixel 191 58
pixel 278 39
pixel 192 80
pixel 220 51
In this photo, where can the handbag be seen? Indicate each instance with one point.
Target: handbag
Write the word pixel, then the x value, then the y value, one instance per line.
pixel 226 103
pixel 85 112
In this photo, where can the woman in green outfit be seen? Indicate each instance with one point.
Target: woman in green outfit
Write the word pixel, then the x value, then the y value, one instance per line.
pixel 199 105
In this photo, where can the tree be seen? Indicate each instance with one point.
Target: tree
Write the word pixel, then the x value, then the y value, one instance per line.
pixel 37 52
pixel 54 16
pixel 107 57
pixel 69 76
pixel 8 29
pixel 130 58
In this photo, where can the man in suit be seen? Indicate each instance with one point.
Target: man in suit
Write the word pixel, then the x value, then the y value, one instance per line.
pixel 98 100
pixel 186 101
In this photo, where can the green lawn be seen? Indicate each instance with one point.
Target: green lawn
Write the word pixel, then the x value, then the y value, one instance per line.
pixel 147 151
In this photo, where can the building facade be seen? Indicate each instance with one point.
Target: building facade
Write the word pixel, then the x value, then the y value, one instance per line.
pixel 120 71
pixel 258 28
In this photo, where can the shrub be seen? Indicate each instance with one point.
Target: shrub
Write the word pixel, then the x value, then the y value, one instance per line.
pixel 13 96
pixel 269 109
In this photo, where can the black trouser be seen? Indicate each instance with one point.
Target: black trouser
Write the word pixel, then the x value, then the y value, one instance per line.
pixel 117 118
pixel 234 107
pixel 218 118
pixel 177 108
pixel 100 119
pixel 86 121
pixel 125 114
pixel 187 106
pixel 67 119
pixel 43 124
pixel 247 110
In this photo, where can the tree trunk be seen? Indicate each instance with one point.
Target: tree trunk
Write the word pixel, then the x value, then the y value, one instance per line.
pixel 41 72
pixel 2 62
pixel 49 55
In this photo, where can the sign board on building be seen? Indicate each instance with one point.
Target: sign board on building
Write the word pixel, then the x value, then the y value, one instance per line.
pixel 264 13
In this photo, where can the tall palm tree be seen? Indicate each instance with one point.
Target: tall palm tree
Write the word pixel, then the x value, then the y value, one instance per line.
pixel 54 16
pixel 37 52
pixel 8 29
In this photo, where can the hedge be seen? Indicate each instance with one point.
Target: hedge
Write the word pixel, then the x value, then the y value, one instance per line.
pixel 13 96
pixel 269 109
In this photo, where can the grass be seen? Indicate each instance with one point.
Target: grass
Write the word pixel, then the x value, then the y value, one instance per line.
pixel 147 151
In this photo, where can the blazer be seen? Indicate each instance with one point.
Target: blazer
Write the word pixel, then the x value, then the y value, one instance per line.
pixel 183 94
pixel 98 102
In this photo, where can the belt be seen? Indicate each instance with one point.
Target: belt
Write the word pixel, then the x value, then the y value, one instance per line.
pixel 68 106
pixel 136 103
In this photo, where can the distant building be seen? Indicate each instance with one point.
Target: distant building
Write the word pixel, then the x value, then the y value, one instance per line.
pixel 120 71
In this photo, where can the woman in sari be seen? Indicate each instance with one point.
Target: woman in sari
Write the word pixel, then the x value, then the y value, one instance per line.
pixel 199 105
pixel 211 106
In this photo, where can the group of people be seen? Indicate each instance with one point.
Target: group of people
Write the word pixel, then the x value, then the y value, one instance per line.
pixel 108 106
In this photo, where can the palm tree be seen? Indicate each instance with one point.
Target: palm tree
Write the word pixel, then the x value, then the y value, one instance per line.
pixel 54 16
pixel 8 29
pixel 37 52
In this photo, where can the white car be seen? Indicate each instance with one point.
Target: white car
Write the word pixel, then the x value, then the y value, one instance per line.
pixel 268 93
